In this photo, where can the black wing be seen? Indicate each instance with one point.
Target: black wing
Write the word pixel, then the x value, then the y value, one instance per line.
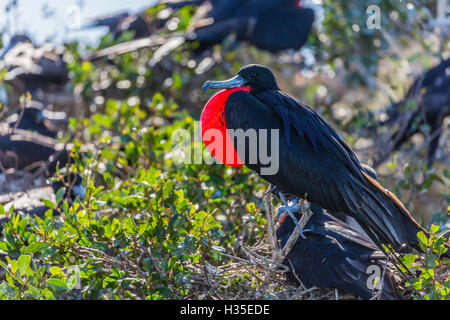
pixel 335 256
pixel 315 161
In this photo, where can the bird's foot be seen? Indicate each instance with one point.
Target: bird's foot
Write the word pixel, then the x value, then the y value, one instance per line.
pixel 291 209
pixel 283 210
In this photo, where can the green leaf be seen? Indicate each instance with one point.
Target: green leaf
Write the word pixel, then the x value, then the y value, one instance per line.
pixel 56 271
pixel 57 284
pixel 23 263
pixel 434 229
pixel 48 203
pixel 423 240
pixel 35 246
pixel 408 259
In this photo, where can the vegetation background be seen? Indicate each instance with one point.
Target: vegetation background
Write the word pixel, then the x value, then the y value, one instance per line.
pixel 153 229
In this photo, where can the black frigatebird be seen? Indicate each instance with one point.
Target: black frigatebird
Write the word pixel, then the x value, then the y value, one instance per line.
pixel 32 68
pixel 333 255
pixel 15 40
pixel 73 189
pixel 23 152
pixel 35 117
pixel 314 161
pixel 431 92
pixel 271 25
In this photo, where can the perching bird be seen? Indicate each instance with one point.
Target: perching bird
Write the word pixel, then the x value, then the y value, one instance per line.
pixel 15 40
pixel 32 68
pixel 34 117
pixel 22 152
pixel 272 25
pixel 308 159
pixel 333 255
pixel 431 92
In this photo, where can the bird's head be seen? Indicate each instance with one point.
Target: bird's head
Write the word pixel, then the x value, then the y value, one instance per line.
pixel 18 38
pixel 256 77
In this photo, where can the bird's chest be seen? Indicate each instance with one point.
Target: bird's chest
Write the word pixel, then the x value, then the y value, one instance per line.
pixel 214 130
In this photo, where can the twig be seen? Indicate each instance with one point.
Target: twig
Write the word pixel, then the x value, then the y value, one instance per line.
pixel 267 199
pixel 22 111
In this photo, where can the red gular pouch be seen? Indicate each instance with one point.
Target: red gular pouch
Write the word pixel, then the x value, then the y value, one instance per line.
pixel 214 129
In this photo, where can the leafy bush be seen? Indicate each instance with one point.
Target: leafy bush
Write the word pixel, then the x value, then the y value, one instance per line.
pixel 432 279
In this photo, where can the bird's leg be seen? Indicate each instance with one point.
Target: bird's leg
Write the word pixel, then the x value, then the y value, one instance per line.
pixel 290 210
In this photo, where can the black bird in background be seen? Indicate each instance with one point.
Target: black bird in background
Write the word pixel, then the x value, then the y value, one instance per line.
pixel 31 68
pixel 73 190
pixel 314 161
pixel 333 255
pixel 22 152
pixel 431 92
pixel 35 117
pixel 271 25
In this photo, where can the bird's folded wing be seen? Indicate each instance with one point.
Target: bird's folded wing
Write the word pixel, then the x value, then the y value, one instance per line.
pixel 314 160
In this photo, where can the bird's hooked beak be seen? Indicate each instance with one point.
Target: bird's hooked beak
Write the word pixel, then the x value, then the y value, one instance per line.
pixel 235 82
pixel 6 50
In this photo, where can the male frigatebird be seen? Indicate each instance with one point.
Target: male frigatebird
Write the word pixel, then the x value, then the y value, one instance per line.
pixel 431 92
pixel 314 161
pixel 333 255
pixel 271 25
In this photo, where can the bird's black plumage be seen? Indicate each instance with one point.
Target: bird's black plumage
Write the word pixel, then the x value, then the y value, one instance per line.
pixel 333 255
pixel 73 182
pixel 34 67
pixel 26 153
pixel 34 117
pixel 272 25
pixel 431 91
pixel 314 161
